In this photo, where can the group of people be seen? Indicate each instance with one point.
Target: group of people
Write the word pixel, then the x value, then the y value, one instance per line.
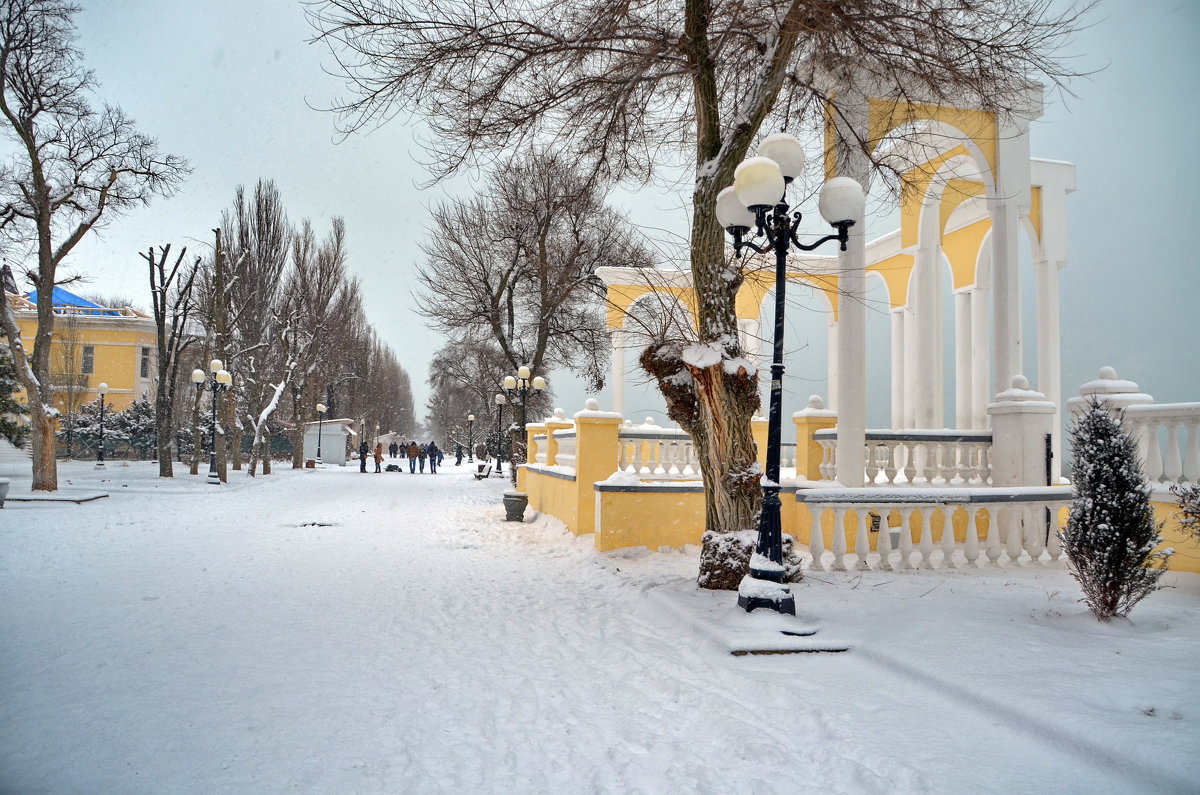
pixel 417 455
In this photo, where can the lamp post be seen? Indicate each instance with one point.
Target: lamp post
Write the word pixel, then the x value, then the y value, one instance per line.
pixel 518 390
pixel 470 438
pixel 500 401
pixel 103 390
pixel 218 380
pixel 363 447
pixel 320 423
pixel 757 200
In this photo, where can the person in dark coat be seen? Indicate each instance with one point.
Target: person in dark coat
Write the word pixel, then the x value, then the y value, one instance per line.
pixel 363 450
pixel 435 457
pixel 457 454
pixel 392 448
pixel 413 451
pixel 422 454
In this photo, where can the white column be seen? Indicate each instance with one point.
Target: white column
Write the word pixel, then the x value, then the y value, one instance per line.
pixel 926 355
pixel 750 331
pixel 617 379
pixel 1049 352
pixel 981 376
pixel 898 394
pixel 831 366
pixel 1010 202
pixel 912 380
pixel 852 361
pixel 963 400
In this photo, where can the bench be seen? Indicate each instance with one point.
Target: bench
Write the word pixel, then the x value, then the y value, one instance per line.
pixel 484 472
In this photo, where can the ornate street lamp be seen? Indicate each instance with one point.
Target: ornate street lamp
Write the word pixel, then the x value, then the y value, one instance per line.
pixel 518 390
pixel 470 438
pixel 500 401
pixel 757 201
pixel 218 380
pixel 103 390
pixel 320 423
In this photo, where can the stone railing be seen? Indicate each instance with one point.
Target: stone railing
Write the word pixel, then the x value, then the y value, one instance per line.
pixel 1168 437
pixel 664 454
pixel 904 458
pixel 1020 526
pixel 564 441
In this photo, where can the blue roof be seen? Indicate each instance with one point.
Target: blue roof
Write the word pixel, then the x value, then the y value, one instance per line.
pixel 61 297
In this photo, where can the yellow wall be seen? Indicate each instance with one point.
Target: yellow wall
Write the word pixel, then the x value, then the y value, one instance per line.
pixel 118 343
pixel 1187 551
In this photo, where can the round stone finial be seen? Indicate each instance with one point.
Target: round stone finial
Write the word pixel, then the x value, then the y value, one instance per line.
pixel 591 404
pixel 815 402
pixel 1020 382
pixel 1108 374
pixel 560 414
pixel 650 421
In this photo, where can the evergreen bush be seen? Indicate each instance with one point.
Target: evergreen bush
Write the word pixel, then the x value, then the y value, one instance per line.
pixel 1111 533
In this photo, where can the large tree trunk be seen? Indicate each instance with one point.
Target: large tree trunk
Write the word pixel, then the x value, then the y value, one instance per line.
pixel 164 431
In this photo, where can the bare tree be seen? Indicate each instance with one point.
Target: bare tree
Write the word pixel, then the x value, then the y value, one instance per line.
pixel 516 266
pixel 67 375
pixel 73 167
pixel 631 87
pixel 171 295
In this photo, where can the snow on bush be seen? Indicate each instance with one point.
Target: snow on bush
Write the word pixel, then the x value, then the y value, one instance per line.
pixel 1111 534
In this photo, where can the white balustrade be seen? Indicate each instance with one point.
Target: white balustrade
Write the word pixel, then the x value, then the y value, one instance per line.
pixel 565 457
pixel 925 458
pixel 1020 527
pixel 542 448
pixel 1168 437
pixel 658 455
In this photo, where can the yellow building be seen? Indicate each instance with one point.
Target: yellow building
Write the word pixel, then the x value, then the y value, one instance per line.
pixel 92 345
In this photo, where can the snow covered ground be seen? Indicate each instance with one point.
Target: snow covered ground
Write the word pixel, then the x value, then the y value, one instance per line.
pixel 337 632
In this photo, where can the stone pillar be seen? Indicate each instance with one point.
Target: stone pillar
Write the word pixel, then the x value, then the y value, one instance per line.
pixel 596 435
pixel 759 427
pixel 963 399
pixel 617 376
pixel 558 422
pixel 912 379
pixel 898 369
pixel 808 452
pixel 981 376
pixel 1021 421
pixel 831 365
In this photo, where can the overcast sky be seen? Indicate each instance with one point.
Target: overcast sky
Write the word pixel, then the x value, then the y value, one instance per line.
pixel 231 86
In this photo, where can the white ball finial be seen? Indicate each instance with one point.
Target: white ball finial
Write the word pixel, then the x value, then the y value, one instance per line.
pixel 1020 382
pixel 815 402
pixel 591 404
pixel 1108 374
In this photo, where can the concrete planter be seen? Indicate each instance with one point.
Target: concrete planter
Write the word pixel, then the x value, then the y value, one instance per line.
pixel 514 506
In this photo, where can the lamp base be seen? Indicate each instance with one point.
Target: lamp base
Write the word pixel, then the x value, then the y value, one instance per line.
pixel 754 593
pixel 214 479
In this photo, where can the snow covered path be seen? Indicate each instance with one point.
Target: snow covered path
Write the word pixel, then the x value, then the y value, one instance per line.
pixel 329 632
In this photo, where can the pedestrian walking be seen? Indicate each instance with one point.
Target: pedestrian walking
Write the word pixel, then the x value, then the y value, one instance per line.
pixel 379 456
pixel 363 449
pixel 413 450
pixel 392 449
pixel 457 454
pixel 435 457
pixel 422 454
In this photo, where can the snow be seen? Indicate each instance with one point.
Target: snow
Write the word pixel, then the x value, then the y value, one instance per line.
pixel 701 355
pixel 327 631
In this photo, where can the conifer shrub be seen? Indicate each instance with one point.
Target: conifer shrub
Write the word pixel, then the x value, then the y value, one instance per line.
pixel 1111 533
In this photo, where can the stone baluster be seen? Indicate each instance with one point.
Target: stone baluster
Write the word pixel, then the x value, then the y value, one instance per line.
pixel 926 544
pixel 872 462
pixel 816 540
pixel 948 537
pixel 1053 543
pixel 890 462
pixel 884 545
pixel 862 538
pixel 906 546
pixel 971 543
pixel 910 462
pixel 1013 530
pixel 1191 460
pixel 839 538
pixel 1173 464
pixel 828 465
pixel 1034 518
pixel 993 535
pixel 1154 459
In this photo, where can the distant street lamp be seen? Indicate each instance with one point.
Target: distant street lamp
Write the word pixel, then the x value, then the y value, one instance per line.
pixel 218 380
pixel 103 390
pixel 320 423
pixel 518 390
pixel 470 438
pixel 500 401
pixel 757 200
pixel 363 447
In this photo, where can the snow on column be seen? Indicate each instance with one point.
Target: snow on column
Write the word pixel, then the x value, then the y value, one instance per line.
pixel 618 371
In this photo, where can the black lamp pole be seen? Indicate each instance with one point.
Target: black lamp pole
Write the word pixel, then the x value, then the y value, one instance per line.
pixel 779 228
pixel 470 438
pixel 100 449
pixel 518 389
pixel 499 435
